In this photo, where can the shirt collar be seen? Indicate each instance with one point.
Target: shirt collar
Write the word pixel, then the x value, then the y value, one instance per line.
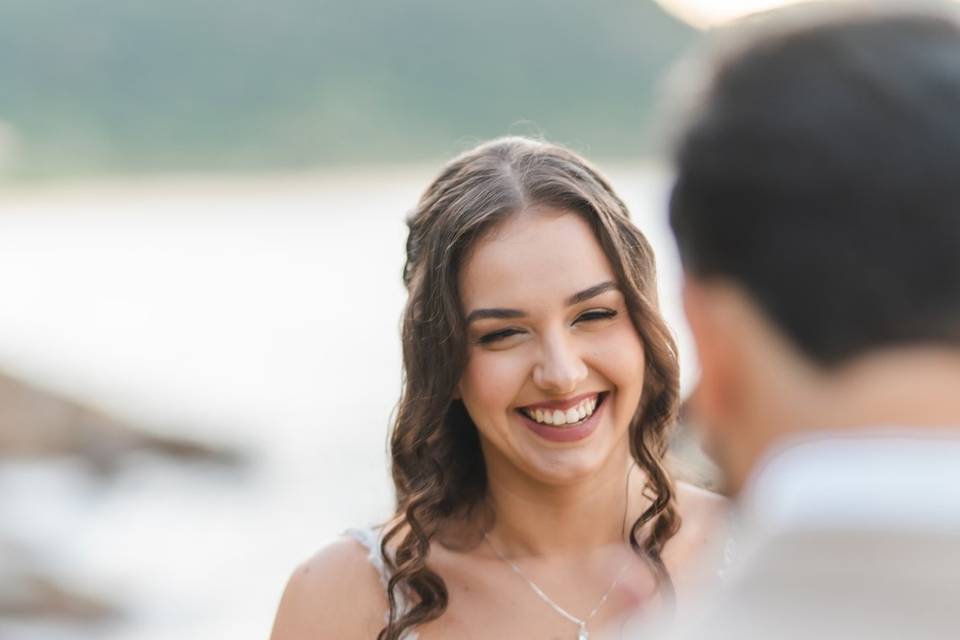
pixel 900 479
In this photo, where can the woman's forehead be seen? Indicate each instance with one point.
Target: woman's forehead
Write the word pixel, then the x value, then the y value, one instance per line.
pixel 542 254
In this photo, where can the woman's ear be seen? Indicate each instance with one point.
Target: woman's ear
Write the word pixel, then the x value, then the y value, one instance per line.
pixel 457 394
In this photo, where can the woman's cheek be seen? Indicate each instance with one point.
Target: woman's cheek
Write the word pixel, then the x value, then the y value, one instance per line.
pixel 492 381
pixel 619 354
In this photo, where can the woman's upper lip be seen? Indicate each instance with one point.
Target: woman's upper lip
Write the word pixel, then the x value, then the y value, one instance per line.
pixel 561 405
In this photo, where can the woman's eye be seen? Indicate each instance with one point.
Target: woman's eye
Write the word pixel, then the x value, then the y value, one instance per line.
pixel 497 336
pixel 596 314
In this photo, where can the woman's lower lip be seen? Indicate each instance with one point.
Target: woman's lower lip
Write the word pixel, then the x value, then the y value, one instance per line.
pixel 565 434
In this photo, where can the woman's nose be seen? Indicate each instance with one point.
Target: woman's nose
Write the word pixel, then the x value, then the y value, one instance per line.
pixel 561 368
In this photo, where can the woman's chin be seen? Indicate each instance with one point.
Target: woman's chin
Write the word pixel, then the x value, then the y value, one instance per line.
pixel 562 467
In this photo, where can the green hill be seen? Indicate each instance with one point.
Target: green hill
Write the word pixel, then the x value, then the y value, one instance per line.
pixel 131 85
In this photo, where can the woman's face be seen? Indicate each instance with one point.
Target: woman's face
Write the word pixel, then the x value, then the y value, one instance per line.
pixel 555 367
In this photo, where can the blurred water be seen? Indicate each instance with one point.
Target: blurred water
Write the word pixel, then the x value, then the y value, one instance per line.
pixel 260 312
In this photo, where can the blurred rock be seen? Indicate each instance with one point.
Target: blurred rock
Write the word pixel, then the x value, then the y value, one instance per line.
pixel 39 424
pixel 32 595
pixel 27 592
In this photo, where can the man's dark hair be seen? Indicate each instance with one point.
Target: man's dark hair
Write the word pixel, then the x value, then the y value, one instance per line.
pixel 821 173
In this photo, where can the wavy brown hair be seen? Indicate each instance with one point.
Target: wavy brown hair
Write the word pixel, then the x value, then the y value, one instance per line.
pixel 437 464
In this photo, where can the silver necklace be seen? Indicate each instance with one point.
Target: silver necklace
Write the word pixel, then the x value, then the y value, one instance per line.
pixel 581 623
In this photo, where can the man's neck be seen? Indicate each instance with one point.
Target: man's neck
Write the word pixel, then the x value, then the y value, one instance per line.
pixel 907 387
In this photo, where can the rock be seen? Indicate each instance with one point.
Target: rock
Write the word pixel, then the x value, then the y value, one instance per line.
pixel 35 423
pixel 39 425
pixel 32 595
pixel 28 592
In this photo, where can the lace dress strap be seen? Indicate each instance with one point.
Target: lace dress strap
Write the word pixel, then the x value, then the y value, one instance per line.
pixel 370 538
pixel 728 556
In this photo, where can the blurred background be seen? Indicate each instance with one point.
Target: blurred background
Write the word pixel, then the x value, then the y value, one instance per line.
pixel 201 236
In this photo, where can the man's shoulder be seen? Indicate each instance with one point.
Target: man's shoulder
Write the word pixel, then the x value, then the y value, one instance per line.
pixel 834 585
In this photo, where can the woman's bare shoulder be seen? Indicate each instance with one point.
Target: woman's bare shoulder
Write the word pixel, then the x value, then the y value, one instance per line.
pixel 703 515
pixel 336 593
pixel 698 503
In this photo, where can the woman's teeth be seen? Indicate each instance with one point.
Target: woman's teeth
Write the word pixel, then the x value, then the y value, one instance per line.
pixel 558 418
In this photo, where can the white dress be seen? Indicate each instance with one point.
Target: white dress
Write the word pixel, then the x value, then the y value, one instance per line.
pixel 370 538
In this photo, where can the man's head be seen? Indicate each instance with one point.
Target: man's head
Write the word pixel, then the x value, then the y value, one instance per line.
pixel 817 211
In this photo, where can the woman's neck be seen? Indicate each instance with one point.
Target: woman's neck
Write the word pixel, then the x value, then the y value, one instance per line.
pixel 533 518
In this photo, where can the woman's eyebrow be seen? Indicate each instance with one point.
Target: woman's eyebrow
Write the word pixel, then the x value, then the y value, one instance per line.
pixel 593 291
pixel 507 314
pixel 500 314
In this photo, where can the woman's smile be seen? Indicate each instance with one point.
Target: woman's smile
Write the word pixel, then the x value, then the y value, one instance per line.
pixel 566 420
pixel 562 412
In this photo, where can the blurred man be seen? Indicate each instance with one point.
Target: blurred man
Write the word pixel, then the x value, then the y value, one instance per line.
pixel 817 212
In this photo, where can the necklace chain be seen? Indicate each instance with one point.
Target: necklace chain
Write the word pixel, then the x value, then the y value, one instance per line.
pixel 580 622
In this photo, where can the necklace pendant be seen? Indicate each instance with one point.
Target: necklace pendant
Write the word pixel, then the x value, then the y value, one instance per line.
pixel 584 634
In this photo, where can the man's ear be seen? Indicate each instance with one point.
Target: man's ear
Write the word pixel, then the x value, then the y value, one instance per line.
pixel 753 383
pixel 712 316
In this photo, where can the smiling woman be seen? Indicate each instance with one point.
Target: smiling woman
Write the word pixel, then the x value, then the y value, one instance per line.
pixel 527 450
